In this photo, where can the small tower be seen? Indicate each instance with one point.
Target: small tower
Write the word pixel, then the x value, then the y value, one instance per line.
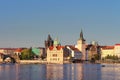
pixel 56 42
pixel 81 45
pixel 48 42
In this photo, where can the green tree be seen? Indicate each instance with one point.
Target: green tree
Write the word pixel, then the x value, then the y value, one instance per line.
pixel 25 55
pixel 96 56
pixel 113 57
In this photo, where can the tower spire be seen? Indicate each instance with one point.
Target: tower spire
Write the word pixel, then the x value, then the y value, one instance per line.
pixel 49 37
pixel 81 35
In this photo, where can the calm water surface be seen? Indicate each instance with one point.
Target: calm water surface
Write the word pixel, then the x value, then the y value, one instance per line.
pixel 59 72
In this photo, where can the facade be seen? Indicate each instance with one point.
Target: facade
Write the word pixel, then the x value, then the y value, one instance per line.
pixel 81 45
pixel 7 51
pixel 117 50
pixel 93 50
pixel 74 53
pixel 42 52
pixel 107 50
pixel 110 50
pixel 55 53
pixel 18 51
pixel 1 57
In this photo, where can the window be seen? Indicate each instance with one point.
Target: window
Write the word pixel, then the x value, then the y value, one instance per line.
pixel 54 55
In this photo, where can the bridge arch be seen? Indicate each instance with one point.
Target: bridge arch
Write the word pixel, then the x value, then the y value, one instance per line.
pixel 8 59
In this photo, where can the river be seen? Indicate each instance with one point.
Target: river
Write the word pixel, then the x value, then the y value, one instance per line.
pixel 59 72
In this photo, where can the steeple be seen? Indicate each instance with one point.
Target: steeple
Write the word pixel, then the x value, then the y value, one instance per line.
pixel 49 38
pixel 48 42
pixel 81 35
pixel 56 42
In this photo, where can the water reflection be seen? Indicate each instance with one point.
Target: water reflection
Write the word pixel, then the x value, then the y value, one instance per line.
pixel 73 72
pixel 92 72
pixel 111 72
pixel 54 72
pixel 23 72
pixel 59 72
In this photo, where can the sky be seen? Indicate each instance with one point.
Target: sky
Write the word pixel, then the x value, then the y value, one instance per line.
pixel 27 23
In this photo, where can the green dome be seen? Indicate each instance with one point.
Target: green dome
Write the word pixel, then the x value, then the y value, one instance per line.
pixel 56 42
pixel 36 51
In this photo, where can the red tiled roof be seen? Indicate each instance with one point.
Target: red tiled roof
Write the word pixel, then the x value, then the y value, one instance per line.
pixel 117 44
pixel 8 48
pixel 58 47
pixel 51 48
pixel 18 50
pixel 107 47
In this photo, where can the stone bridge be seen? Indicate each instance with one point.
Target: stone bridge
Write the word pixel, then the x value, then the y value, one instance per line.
pixel 9 58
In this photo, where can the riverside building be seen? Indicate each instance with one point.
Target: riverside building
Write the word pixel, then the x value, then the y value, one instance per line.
pixel 55 53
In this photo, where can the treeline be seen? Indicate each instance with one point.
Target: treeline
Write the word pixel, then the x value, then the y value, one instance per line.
pixel 28 54
pixel 113 57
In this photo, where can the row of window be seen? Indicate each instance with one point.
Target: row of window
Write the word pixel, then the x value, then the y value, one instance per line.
pixel 54 59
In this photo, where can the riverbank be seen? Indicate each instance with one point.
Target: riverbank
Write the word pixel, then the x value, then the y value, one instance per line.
pixel 45 62
pixel 36 62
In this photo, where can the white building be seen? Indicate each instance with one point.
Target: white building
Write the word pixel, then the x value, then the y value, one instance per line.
pixel 74 52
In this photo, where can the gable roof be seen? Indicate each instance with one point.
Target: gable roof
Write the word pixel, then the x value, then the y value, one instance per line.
pixel 73 48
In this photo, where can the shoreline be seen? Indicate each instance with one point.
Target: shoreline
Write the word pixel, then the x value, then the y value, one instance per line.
pixel 45 62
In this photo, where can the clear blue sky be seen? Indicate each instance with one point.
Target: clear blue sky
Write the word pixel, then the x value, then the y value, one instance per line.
pixel 26 23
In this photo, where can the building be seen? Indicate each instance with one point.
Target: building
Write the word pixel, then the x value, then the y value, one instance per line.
pixel 74 53
pixel 7 51
pixel 48 42
pixel 93 51
pixel 39 53
pixel 107 50
pixel 18 51
pixel 55 53
pixel 1 55
pixel 42 52
pixel 81 45
pixel 110 50
pixel 117 50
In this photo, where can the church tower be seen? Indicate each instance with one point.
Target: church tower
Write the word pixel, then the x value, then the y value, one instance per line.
pixel 81 45
pixel 48 42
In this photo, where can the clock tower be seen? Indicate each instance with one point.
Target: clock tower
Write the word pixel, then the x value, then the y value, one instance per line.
pixel 81 45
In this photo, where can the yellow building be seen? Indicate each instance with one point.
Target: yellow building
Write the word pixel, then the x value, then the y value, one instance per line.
pixel 117 50
pixel 107 50
pixel 110 50
pixel 55 53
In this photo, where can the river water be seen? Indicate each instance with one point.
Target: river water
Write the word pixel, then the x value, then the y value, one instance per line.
pixel 59 72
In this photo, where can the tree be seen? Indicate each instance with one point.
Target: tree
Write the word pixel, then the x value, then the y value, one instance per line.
pixel 25 55
pixel 113 57
pixel 96 56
